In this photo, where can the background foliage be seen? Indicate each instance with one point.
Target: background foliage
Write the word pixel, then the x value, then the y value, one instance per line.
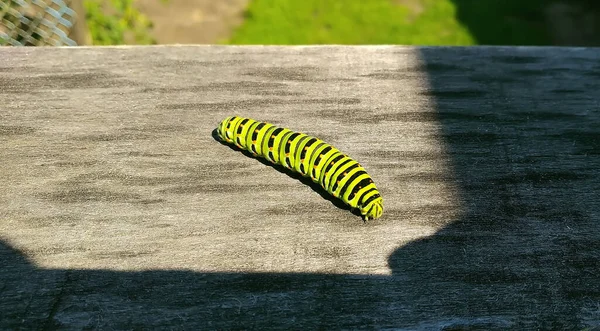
pixel 407 22
pixel 418 22
pixel 117 22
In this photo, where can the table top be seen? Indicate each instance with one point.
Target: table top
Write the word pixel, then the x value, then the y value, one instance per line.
pixel 119 209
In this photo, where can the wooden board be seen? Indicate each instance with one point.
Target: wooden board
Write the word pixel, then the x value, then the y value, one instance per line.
pixel 118 208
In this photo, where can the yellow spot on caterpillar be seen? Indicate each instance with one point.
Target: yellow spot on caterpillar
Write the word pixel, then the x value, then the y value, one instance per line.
pixel 345 173
pixel 256 131
pixel 273 136
pixel 305 148
pixel 287 154
pixel 271 149
pixel 254 141
pixel 302 161
pixel 337 182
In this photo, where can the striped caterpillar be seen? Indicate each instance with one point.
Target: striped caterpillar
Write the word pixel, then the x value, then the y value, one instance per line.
pixel 337 173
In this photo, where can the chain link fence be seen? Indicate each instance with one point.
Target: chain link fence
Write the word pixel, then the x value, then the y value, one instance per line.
pixel 37 23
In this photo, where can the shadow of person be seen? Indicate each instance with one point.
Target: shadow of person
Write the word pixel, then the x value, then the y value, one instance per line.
pixel 26 293
pixel 42 298
pixel 526 251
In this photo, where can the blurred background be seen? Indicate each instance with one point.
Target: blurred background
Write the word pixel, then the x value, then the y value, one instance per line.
pixel 288 22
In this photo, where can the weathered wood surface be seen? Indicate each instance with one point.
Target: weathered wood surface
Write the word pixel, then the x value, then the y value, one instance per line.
pixel 119 210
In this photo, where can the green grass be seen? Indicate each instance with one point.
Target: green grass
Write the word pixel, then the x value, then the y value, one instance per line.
pixel 409 22
pixel 117 22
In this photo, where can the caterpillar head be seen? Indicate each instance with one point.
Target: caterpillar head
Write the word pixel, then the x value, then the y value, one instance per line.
pixel 373 210
pixel 225 129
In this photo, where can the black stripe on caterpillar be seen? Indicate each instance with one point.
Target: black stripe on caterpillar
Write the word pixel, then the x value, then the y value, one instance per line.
pixel 337 173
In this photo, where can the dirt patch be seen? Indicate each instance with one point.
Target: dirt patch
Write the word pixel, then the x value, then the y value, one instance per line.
pixel 416 7
pixel 193 21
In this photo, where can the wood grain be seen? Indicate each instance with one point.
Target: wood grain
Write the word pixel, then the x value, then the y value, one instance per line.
pixel 118 209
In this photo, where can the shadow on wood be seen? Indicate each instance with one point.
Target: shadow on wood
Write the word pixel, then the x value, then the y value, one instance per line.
pixel 304 180
pixel 526 157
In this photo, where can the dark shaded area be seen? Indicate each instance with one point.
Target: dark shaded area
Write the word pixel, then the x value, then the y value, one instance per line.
pixel 533 22
pixel 32 298
pixel 162 299
pixel 304 180
pixel 526 161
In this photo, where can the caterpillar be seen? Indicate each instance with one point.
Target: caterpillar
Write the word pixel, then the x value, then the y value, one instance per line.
pixel 335 172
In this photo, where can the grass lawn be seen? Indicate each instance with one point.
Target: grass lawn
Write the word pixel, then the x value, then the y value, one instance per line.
pixel 288 22
pixel 408 22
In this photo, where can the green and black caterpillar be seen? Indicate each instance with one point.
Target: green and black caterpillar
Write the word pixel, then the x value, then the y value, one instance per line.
pixel 337 173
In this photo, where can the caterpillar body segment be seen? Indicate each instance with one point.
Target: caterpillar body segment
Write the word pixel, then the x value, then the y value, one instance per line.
pixel 337 173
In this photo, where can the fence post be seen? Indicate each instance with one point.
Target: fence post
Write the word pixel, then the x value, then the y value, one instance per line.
pixel 79 32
